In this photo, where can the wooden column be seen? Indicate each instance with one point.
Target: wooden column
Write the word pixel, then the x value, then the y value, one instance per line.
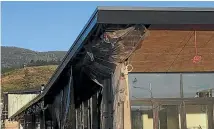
pixel 163 118
pixel 104 107
pixel 29 122
pixel 25 122
pixel 182 106
pixel 94 112
pixel 107 107
pixel 72 112
pixel 155 107
pixel 33 122
pixel 183 116
pixel 78 118
pixel 210 116
pixel 42 120
pixel 85 115
pixel 127 106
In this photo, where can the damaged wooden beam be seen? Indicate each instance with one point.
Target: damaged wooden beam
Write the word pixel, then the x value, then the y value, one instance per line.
pixel 72 113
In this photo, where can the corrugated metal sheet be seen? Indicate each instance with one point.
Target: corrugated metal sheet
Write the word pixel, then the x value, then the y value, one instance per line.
pixel 17 101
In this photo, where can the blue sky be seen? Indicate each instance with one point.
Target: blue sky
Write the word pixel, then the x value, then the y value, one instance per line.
pixel 47 26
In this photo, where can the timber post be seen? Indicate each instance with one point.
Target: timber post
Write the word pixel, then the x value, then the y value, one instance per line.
pixel 127 106
pixel 72 112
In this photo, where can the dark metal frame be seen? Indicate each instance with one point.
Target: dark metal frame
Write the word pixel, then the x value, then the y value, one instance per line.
pixel 132 15
pixel 181 102
pixel 181 77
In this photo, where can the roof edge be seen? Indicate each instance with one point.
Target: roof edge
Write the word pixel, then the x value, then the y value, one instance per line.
pixel 168 9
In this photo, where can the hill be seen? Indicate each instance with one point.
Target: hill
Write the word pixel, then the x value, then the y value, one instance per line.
pixel 14 57
pixel 26 78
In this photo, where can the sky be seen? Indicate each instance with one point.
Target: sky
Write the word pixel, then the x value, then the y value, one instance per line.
pixel 50 26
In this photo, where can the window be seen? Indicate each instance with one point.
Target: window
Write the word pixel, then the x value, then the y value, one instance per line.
pixel 197 82
pixel 154 85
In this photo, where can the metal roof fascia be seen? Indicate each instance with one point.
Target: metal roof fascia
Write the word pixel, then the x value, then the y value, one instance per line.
pixel 133 15
pixel 169 9
pixel 73 50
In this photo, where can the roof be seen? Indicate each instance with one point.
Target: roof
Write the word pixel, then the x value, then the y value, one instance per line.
pixel 102 15
pixel 28 91
pixel 145 15
pixel 154 8
pixel 126 15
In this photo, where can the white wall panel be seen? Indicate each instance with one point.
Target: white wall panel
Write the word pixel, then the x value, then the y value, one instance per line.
pixel 17 101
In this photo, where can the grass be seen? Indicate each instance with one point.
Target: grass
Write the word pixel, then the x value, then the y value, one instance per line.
pixel 25 78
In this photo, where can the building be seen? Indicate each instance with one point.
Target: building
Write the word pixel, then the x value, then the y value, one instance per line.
pixel 14 101
pixel 149 68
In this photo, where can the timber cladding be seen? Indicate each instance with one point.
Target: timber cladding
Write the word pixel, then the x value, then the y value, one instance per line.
pixel 172 50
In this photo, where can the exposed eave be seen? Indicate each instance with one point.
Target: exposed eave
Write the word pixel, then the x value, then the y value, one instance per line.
pixel 170 9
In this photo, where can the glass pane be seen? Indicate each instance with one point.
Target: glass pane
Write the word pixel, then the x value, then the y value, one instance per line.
pixel 154 85
pixel 197 83
pixel 142 117
pixel 169 117
pixel 196 116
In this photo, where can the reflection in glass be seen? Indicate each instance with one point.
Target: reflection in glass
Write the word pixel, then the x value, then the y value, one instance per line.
pixel 154 85
pixel 142 117
pixel 197 83
pixel 169 117
pixel 196 116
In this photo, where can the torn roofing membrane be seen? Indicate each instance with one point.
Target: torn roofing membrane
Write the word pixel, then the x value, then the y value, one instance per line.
pixel 111 49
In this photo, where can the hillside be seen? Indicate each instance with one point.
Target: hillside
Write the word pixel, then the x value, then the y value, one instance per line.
pixel 25 78
pixel 16 57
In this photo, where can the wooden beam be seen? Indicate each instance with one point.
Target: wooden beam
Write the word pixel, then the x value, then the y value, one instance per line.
pixel 104 107
pixel 85 115
pixel 127 106
pixel 155 107
pixel 210 116
pixel 183 116
pixel 25 122
pixel 33 121
pixel 78 118
pixel 72 112
pixel 94 112
pixel 42 120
